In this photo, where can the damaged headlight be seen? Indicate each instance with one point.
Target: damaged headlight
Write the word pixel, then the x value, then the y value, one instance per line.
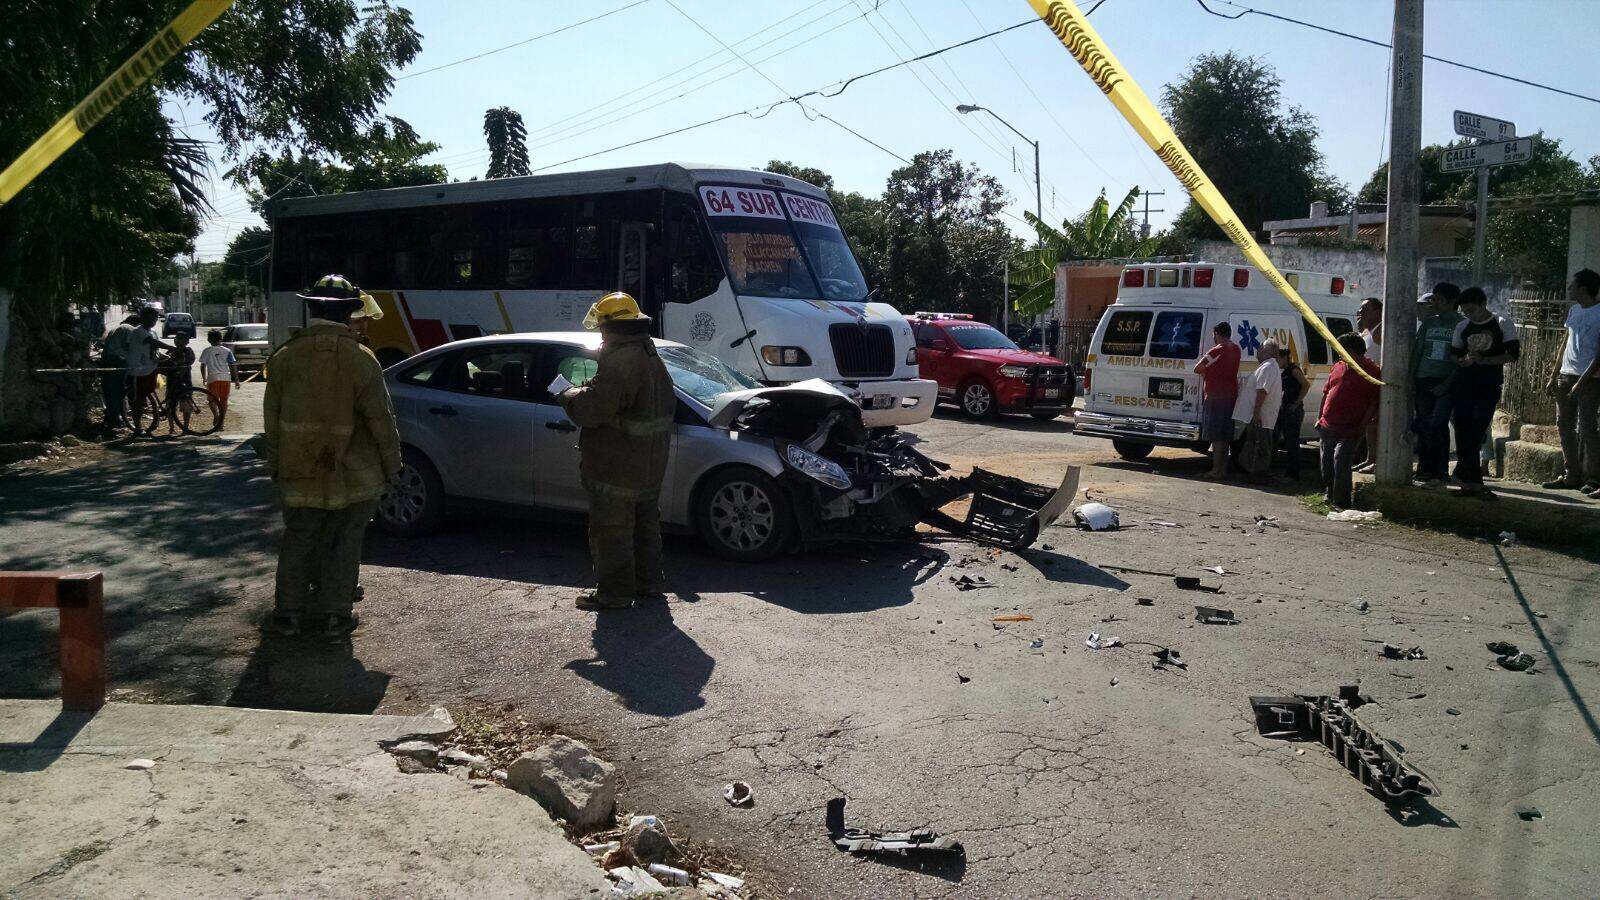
pixel 824 470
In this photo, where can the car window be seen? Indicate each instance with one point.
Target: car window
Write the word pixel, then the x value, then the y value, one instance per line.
pixel 1126 333
pixel 575 364
pixel 701 375
pixel 247 333
pixel 496 372
pixel 926 335
pixel 1176 335
pixel 979 337
pixel 577 369
pixel 433 372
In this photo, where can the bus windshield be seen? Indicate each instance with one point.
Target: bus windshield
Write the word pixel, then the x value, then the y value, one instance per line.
pixel 801 254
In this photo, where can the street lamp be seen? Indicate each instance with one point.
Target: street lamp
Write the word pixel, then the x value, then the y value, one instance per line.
pixel 1038 193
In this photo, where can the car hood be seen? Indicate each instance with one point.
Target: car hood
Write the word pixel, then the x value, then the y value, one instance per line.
pixel 1018 357
pixel 810 399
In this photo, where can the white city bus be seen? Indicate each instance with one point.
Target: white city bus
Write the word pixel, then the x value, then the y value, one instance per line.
pixel 749 266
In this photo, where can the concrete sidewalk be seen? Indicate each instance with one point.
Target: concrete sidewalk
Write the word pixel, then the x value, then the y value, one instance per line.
pixel 260 803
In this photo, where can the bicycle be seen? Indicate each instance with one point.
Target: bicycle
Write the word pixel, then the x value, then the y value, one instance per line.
pixel 186 408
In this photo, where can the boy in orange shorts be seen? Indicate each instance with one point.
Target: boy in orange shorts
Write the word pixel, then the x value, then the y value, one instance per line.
pixel 220 370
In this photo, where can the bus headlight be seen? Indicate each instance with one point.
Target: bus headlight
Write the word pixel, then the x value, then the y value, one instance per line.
pixel 911 355
pixel 785 356
pixel 826 471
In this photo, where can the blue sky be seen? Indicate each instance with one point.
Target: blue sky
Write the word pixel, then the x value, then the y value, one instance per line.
pixel 644 71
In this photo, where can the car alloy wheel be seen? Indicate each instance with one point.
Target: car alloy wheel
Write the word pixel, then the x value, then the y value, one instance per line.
pixel 977 400
pixel 743 516
pixel 406 497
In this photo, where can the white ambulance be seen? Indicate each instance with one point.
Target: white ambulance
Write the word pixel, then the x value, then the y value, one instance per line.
pixel 1140 389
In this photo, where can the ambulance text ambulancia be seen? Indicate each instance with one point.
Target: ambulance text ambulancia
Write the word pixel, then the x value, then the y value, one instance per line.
pixel 1140 389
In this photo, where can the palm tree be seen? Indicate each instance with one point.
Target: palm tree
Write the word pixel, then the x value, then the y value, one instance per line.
pixel 508 142
pixel 1100 233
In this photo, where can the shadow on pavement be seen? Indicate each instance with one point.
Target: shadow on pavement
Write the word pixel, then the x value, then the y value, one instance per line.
pixel 166 522
pixel 1549 649
pixel 642 656
pixel 1060 568
pixel 1010 421
pixel 37 755
pixel 309 674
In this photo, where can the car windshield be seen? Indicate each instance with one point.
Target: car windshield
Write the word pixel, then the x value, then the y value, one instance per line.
pixel 980 337
pixel 702 376
pixel 249 332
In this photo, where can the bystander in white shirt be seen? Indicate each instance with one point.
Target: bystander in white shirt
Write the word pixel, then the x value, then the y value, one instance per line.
pixel 1267 377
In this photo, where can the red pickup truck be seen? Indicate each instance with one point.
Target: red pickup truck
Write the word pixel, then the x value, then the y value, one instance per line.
pixel 986 373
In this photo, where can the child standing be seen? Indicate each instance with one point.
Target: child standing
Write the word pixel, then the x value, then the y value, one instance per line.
pixel 220 370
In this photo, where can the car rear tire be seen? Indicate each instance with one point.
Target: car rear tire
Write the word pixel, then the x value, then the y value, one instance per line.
pixel 412 504
pixel 743 514
pixel 977 400
pixel 1132 451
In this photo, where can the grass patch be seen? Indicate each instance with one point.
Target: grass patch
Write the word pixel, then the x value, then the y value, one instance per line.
pixel 1316 503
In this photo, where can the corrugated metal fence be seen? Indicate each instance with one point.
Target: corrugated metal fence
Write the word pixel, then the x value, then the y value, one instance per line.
pixel 1540 317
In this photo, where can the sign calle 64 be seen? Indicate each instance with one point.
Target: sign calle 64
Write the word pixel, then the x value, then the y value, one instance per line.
pixel 1504 153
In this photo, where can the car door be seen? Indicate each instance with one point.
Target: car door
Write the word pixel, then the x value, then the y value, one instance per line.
pixel 488 419
pixel 554 454
pixel 934 364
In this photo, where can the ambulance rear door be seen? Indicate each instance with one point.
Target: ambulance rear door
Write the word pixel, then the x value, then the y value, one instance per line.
pixel 1145 360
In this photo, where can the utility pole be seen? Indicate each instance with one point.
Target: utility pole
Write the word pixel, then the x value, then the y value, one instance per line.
pixel 1480 224
pixel 1144 229
pixel 1400 252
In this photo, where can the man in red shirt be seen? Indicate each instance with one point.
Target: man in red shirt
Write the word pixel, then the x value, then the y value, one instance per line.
pixel 1349 405
pixel 1219 372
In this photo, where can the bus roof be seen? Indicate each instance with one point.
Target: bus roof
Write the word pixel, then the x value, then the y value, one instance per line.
pixel 677 176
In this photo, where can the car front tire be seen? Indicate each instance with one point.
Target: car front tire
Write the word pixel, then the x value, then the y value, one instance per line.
pixel 412 504
pixel 977 400
pixel 743 514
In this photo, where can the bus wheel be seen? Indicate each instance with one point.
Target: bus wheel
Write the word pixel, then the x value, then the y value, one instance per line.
pixel 388 356
pixel 1132 451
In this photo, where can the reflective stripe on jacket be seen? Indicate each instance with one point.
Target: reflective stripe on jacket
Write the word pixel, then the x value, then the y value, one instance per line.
pixel 331 439
pixel 625 412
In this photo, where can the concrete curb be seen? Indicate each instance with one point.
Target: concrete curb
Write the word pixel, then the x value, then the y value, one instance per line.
pixel 1546 518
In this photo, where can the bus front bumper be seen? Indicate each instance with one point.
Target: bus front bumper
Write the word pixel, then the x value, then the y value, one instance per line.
pixel 1133 428
pixel 901 402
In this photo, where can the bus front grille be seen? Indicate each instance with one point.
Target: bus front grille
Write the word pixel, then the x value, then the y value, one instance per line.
pixel 862 351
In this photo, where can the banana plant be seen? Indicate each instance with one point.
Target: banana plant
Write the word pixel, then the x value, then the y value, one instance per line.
pixel 1100 233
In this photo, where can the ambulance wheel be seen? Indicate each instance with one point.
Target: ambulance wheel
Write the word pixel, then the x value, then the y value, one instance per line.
pixel 977 400
pixel 1132 451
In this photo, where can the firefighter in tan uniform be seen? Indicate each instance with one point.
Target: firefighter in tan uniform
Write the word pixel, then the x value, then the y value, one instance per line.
pixel 331 444
pixel 626 413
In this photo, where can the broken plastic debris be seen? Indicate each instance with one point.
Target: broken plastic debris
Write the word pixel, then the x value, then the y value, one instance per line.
pixel 1013 617
pixel 601 849
pixel 1209 615
pixel 1508 538
pixel 739 794
pixel 1529 813
pixel 962 679
pixel 1095 642
pixel 1038 642
pixel 1392 651
pixel 1191 583
pixel 727 881
pixel 1217 570
pixel 1516 662
pixel 857 840
pixel 1501 648
pixel 633 881
pixel 1145 601
pixel 1166 656
pixel 1356 515
pixel 1164 524
pixel 140 765
pixel 971 582
pixel 1096 517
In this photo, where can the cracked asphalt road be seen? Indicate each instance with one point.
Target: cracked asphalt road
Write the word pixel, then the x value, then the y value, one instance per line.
pixel 1065 771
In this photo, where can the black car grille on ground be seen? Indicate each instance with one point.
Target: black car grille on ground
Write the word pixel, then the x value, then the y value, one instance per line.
pixel 862 351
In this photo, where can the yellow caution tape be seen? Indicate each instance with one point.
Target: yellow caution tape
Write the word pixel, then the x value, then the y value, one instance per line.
pixel 1083 42
pixel 111 92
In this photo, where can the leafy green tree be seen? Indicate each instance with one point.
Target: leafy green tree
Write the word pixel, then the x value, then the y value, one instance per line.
pixel 508 142
pixel 1100 233
pixel 111 213
pixel 1531 245
pixel 1262 155
pixel 388 154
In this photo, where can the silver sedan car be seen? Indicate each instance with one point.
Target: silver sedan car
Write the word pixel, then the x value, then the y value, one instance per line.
pixel 752 470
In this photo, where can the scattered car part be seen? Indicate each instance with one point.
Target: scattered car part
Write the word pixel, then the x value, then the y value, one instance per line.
pixel 1096 517
pixel 1145 601
pixel 1332 722
pixel 1013 617
pixel 1529 813
pixel 1501 648
pixel 1096 642
pixel 1166 656
pixel 856 840
pixel 739 794
pixel 971 582
pixel 1392 651
pixel 1209 615
pixel 1191 583
pixel 1516 662
pixel 670 874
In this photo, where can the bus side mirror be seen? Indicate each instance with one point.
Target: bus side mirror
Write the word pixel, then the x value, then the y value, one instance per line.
pixel 940 345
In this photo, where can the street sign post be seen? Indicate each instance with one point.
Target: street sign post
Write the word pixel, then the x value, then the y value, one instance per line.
pixel 1484 128
pixel 1502 153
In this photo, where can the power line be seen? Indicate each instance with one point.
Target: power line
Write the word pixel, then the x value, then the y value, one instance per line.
pixel 1366 40
pixel 536 37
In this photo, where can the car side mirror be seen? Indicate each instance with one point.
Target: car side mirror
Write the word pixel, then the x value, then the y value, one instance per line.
pixel 942 346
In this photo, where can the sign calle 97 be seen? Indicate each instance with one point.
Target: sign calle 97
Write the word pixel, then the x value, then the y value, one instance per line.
pixel 1483 127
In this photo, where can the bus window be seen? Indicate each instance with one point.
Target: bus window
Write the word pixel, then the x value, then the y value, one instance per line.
pixel 764 258
pixel 1126 333
pixel 1176 335
pixel 593 265
pixel 695 272
pixel 461 267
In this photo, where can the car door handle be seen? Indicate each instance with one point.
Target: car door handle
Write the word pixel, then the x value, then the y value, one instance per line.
pixel 562 425
pixel 442 410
